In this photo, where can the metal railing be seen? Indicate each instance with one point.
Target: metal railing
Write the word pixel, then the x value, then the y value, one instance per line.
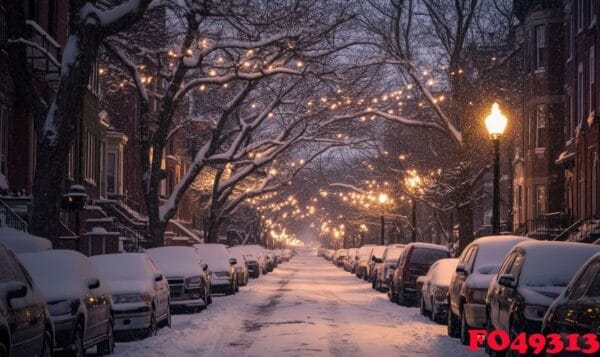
pixel 43 53
pixel 10 218
pixel 565 235
pixel 546 227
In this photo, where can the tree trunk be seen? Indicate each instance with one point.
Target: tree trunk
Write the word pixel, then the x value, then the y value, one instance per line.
pixel 465 224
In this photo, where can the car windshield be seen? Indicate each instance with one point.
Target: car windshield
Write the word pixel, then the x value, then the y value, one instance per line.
pixel 425 256
pixel 392 254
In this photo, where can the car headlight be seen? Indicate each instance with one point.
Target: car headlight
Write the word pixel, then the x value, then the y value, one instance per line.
pixel 534 312
pixel 193 282
pixel 63 307
pixel 131 298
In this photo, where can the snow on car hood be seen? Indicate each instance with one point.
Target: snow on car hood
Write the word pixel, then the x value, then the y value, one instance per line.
pixel 21 242
pixel 63 274
pixel 177 261
pixel 215 255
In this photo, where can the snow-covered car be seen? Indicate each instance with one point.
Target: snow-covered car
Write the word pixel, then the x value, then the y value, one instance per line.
pixel 78 299
pixel 350 260
pixel 329 254
pixel 415 260
pixel 531 277
pixel 339 257
pixel 139 290
pixel 221 266
pixel 260 254
pixel 376 257
pixel 241 266
pixel 252 264
pixel 362 260
pixel 385 269
pixel 25 323
pixel 577 309
pixel 434 291
pixel 477 265
pixel 21 242
pixel 187 275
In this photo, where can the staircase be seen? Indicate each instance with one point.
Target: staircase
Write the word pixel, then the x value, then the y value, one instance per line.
pixel 585 230
pixel 133 231
pixel 10 218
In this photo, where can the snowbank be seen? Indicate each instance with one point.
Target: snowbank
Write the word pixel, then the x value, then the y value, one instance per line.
pixel 21 242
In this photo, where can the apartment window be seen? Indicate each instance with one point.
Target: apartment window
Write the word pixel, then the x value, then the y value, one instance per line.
pixel 540 126
pixel 592 87
pixel 33 12
pixel 580 17
pixel 571 38
pixel 592 12
pixel 93 81
pixel 540 200
pixel 595 184
pixel 71 164
pixel 540 47
pixel 3 138
pixel 530 130
pixel 570 125
pixel 580 94
pixel 91 151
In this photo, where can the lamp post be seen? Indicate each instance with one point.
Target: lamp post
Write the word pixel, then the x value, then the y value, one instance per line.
pixel 414 185
pixel 383 198
pixel 495 123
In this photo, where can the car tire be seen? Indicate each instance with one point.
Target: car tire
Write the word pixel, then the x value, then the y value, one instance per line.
pixel 77 342
pixel 423 308
pixel 512 332
pixel 434 315
pixel 464 328
pixel 489 328
pixel 401 299
pixel 373 284
pixel 47 345
pixel 452 323
pixel 153 328
pixel 107 346
pixel 3 349
pixel 169 324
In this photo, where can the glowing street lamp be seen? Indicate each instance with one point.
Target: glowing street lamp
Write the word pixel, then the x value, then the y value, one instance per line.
pixel 495 123
pixel 414 186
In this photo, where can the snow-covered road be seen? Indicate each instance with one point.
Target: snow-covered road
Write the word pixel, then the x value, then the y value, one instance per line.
pixel 305 307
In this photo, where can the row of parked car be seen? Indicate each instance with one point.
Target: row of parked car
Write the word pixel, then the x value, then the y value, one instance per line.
pixel 508 283
pixel 61 300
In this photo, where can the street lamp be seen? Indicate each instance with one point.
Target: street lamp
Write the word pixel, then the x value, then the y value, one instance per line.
pixel 414 182
pixel 495 123
pixel 383 198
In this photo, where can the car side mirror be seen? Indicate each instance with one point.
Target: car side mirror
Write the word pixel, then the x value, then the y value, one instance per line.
pixel 204 267
pixel 94 283
pixel 158 277
pixel 507 280
pixel 232 261
pixel 17 291
pixel 461 269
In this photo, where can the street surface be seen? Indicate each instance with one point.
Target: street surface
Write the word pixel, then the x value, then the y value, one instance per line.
pixel 306 307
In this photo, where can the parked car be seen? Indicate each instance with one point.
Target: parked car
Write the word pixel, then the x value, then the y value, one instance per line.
pixel 477 265
pixel 531 277
pixel 25 323
pixel 260 254
pixel 139 290
pixel 187 275
pixel 385 269
pixel 78 299
pixel 362 260
pixel 329 254
pixel 349 262
pixel 415 260
pixel 376 257
pixel 434 291
pixel 577 309
pixel 221 265
pixel 340 256
pixel 241 266
pixel 252 264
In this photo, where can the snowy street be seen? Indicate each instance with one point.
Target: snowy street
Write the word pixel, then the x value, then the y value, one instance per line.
pixel 305 307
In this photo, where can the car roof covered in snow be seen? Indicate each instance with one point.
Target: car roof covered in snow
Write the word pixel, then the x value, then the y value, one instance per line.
pixel 441 271
pixel 21 242
pixel 492 250
pixel 126 272
pixel 365 250
pixel 428 246
pixel 393 253
pixel 62 274
pixel 238 253
pixel 215 255
pixel 552 263
pixel 177 261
